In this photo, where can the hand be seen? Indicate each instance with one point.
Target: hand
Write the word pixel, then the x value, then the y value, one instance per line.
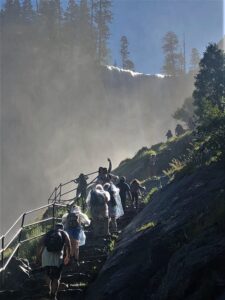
pixel 109 160
pixel 38 260
pixel 66 260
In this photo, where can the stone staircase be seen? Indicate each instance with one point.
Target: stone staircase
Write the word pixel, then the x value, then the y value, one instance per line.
pixel 75 278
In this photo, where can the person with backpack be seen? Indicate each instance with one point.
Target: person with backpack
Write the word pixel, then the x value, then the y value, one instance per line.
pixel 73 222
pixel 136 190
pixel 97 202
pixel 54 252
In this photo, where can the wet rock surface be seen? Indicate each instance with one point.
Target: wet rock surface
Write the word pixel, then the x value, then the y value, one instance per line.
pixel 175 248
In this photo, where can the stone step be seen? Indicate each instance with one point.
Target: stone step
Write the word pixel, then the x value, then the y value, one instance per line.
pixel 76 277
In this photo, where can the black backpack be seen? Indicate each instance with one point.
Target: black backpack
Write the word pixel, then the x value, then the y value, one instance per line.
pixel 54 241
pixel 73 220
pixel 97 199
pixel 112 197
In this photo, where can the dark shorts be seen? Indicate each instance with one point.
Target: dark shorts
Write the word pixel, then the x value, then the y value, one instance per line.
pixel 53 272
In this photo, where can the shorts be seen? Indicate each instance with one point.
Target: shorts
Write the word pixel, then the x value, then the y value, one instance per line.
pixel 53 272
pixel 74 233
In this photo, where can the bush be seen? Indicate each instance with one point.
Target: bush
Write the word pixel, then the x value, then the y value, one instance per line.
pixel 148 198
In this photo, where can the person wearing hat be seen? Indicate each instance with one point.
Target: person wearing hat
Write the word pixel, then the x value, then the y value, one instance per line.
pixel 73 222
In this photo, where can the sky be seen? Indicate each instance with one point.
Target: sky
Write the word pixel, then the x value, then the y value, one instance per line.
pixel 145 22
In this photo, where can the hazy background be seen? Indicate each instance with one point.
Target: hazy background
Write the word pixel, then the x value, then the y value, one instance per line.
pixel 62 114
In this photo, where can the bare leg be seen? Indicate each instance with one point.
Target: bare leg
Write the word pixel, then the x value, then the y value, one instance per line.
pixel 55 286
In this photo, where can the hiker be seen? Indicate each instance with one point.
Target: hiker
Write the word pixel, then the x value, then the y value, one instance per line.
pixel 179 130
pixel 104 174
pixel 97 202
pixel 73 222
pixel 169 134
pixel 124 188
pixel 136 190
pixel 54 253
pixel 114 204
pixel 82 189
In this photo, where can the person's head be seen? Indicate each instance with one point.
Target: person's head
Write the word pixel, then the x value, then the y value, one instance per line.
pixel 106 186
pixel 75 209
pixel 81 176
pixel 135 181
pixel 59 226
pixel 122 179
pixel 99 187
pixel 100 170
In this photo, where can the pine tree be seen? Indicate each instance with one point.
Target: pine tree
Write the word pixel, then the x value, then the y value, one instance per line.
pixel 209 90
pixel 85 35
pixel 194 61
pixel 102 17
pixel 71 22
pixel 12 11
pixel 124 52
pixel 173 58
pixel 27 11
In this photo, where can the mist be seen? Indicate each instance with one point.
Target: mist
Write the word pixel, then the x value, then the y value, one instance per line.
pixel 62 113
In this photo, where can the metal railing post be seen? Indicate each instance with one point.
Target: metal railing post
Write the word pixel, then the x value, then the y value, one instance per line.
pixel 53 215
pixel 60 191
pixel 20 235
pixel 2 261
pixel 55 194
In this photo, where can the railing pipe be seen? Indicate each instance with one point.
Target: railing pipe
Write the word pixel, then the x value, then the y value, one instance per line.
pixel 55 198
pixel 2 254
pixel 38 222
pixel 70 191
pixel 37 209
pixel 53 215
pixel 13 225
pixel 20 234
pixel 60 191
pixel 14 237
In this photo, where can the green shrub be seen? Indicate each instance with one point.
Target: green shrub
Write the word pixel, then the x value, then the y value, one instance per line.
pixel 148 198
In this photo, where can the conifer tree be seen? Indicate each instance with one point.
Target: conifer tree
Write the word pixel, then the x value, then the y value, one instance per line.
pixel 102 17
pixel 71 22
pixel 124 52
pixel 27 11
pixel 209 90
pixel 194 61
pixel 174 60
pixel 85 35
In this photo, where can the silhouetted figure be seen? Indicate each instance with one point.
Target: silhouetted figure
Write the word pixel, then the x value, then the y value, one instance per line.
pixel 97 201
pixel 54 252
pixel 105 175
pixel 73 221
pixel 112 206
pixel 136 190
pixel 179 130
pixel 169 134
pixel 82 189
pixel 124 191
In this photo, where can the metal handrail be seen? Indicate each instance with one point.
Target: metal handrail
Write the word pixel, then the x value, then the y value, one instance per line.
pixel 56 198
pixel 3 263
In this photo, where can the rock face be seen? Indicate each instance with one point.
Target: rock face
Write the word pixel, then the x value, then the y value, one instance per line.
pixel 175 248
